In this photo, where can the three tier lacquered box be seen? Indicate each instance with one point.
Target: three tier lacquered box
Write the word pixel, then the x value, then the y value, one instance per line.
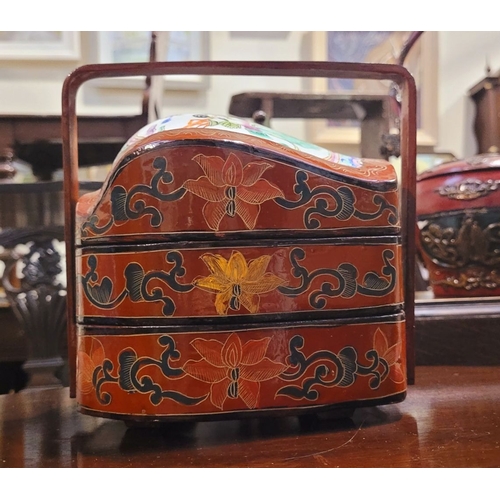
pixel 225 269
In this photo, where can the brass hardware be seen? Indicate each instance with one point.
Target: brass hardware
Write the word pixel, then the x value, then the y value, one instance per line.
pixel 469 281
pixel 469 245
pixel 469 189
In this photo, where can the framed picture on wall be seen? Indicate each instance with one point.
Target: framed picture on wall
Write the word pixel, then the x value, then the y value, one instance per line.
pixel 134 46
pixel 42 45
pixel 374 47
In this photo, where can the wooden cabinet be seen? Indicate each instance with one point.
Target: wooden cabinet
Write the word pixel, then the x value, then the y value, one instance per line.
pixel 486 96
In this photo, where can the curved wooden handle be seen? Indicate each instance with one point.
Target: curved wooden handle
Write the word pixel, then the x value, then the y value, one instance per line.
pixel 410 42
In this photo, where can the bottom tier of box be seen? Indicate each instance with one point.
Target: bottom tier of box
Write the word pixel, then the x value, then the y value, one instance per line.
pixel 207 372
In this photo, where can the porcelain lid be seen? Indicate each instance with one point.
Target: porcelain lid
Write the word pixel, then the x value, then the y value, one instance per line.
pixel 240 126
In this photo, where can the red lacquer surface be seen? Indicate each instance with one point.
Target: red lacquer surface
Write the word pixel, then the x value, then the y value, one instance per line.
pixel 203 227
pixel 224 281
pixel 206 189
pixel 458 208
pixel 197 373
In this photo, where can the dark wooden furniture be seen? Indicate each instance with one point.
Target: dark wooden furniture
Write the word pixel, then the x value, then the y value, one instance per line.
pixel 13 351
pixel 36 139
pixel 377 114
pixel 461 331
pixel 37 299
pixel 449 419
pixel 372 111
pixel 32 315
pixel 486 97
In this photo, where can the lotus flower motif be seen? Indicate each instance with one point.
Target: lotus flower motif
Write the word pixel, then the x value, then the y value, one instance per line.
pixel 233 369
pixel 231 189
pixel 237 283
pixel 88 359
pixel 391 356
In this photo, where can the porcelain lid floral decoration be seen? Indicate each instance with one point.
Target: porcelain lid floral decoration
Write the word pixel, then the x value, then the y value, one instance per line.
pixel 244 127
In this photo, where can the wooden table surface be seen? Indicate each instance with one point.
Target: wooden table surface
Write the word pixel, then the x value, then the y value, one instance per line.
pixel 450 418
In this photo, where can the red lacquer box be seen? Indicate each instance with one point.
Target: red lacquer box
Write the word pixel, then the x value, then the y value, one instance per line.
pixel 458 229
pixel 228 270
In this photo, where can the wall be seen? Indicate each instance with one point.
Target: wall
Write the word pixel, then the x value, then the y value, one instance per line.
pixel 35 87
pixel 463 56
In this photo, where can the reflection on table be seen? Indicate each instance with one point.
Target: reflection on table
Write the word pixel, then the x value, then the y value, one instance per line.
pixel 449 419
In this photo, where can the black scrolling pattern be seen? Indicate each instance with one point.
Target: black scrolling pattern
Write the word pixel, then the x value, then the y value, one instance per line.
pixel 129 378
pixel 139 285
pixel 342 208
pixel 345 277
pixel 303 377
pixel 330 370
pixel 127 205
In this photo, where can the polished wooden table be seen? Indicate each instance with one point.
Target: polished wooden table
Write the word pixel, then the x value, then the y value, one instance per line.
pixel 451 418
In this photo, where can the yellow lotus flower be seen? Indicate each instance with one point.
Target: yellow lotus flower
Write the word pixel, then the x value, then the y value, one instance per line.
pixel 237 283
